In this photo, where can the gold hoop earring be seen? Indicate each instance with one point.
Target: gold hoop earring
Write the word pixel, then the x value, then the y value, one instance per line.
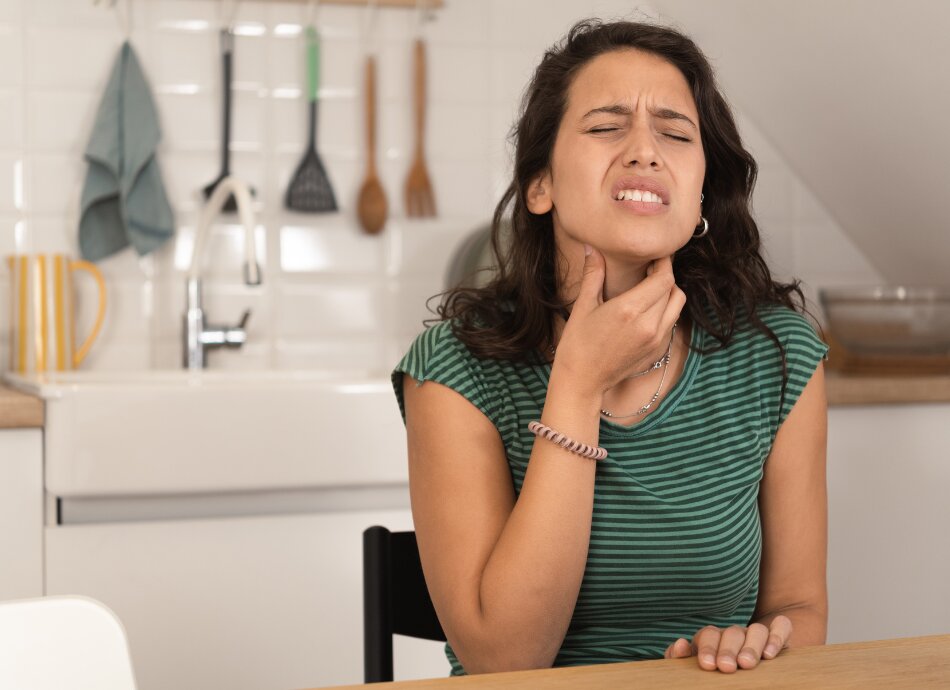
pixel 705 228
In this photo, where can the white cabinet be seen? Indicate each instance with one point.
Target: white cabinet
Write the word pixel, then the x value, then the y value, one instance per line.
pixel 21 513
pixel 889 509
pixel 245 603
pixel 274 601
pixel 222 518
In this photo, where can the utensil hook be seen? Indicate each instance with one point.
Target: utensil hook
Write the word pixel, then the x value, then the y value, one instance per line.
pixel 369 26
pixel 313 12
pixel 423 16
pixel 227 11
pixel 123 18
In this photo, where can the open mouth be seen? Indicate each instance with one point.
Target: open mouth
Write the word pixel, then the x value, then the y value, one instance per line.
pixel 639 195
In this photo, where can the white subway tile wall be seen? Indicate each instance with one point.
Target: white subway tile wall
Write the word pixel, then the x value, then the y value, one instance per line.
pixel 331 296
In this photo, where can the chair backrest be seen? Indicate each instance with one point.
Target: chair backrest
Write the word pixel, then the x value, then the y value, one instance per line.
pixel 63 643
pixel 395 599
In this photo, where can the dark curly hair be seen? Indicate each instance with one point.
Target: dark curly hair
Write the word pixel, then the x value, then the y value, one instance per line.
pixel 724 276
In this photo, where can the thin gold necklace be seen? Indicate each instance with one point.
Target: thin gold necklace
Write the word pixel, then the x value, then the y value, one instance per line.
pixel 664 361
pixel 653 367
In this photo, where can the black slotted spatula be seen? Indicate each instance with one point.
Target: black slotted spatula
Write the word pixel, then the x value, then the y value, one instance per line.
pixel 309 189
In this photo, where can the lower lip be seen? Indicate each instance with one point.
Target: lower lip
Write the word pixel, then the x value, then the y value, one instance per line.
pixel 645 208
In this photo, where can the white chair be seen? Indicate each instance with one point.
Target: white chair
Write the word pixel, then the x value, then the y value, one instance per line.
pixel 63 643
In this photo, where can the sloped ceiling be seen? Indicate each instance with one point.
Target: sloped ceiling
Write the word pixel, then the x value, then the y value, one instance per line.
pixel 856 96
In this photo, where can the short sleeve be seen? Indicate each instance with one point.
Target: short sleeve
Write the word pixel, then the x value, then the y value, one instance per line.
pixel 437 355
pixel 804 349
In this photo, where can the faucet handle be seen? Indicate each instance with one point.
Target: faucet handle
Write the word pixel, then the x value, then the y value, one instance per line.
pixel 243 322
pixel 252 273
pixel 235 336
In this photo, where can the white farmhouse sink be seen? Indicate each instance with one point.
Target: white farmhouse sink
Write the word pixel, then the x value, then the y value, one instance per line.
pixel 176 431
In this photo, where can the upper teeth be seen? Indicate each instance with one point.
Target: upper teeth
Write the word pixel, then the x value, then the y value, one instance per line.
pixel 638 195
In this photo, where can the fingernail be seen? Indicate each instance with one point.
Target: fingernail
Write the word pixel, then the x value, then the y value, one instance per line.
pixel 770 651
pixel 587 250
pixel 709 659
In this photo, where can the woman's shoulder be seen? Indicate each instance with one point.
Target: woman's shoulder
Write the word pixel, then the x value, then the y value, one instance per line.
pixel 787 323
pixel 789 326
pixel 438 354
pixel 799 336
pixel 800 345
pixel 771 365
pixel 440 345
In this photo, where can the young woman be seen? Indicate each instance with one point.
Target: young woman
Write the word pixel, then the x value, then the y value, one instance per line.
pixel 617 448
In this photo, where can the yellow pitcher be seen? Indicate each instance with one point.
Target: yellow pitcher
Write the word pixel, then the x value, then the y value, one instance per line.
pixel 42 312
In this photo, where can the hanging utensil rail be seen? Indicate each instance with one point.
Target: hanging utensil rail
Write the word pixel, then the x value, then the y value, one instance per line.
pixel 431 4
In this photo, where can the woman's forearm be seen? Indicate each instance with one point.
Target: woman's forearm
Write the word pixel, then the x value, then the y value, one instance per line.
pixel 809 624
pixel 530 583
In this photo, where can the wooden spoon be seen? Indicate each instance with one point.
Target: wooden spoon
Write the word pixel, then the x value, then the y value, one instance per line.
pixel 371 206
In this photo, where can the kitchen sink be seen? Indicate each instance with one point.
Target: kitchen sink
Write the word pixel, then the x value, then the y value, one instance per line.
pixel 172 432
pixel 48 384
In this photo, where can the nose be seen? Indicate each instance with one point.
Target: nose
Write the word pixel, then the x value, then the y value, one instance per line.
pixel 641 149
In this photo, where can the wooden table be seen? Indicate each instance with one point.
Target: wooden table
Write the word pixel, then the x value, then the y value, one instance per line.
pixel 913 662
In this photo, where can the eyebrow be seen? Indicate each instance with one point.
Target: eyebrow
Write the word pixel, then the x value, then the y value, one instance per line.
pixel 662 113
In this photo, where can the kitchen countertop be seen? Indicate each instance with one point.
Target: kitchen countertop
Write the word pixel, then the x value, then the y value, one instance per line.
pixel 864 389
pixel 19 410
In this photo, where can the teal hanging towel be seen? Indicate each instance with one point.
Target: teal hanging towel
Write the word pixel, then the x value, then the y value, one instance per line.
pixel 123 199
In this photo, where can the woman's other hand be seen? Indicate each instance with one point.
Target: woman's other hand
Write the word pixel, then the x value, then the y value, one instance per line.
pixel 608 341
pixel 729 649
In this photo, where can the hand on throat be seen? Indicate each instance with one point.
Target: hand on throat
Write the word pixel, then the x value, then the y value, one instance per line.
pixel 621 276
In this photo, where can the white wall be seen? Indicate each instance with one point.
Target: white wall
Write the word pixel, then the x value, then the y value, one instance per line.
pixel 331 296
pixel 853 95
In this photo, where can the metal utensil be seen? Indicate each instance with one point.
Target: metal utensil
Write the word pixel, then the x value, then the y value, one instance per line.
pixel 420 200
pixel 309 189
pixel 227 50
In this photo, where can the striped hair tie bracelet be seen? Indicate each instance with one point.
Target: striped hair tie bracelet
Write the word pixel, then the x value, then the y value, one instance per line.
pixel 566 442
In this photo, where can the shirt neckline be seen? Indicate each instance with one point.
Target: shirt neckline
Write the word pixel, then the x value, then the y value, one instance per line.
pixel 666 406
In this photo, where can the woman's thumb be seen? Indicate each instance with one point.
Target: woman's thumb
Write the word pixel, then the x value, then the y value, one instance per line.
pixel 592 282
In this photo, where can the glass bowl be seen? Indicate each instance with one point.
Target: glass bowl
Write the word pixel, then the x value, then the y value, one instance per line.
pixel 889 321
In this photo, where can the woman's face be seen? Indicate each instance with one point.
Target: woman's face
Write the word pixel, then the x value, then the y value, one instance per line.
pixel 630 130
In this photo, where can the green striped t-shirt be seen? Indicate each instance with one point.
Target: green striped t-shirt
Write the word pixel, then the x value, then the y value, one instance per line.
pixel 675 537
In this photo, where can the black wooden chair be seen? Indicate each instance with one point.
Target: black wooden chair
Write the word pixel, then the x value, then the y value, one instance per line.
pixel 395 599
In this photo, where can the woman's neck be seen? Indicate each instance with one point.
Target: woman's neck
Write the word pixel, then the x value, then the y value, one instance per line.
pixel 620 276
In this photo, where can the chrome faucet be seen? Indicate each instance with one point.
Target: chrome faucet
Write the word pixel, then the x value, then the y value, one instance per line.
pixel 198 337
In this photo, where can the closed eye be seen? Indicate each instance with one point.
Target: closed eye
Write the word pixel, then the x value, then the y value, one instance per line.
pixel 607 130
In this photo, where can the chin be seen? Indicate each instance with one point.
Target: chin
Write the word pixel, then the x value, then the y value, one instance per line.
pixel 637 253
